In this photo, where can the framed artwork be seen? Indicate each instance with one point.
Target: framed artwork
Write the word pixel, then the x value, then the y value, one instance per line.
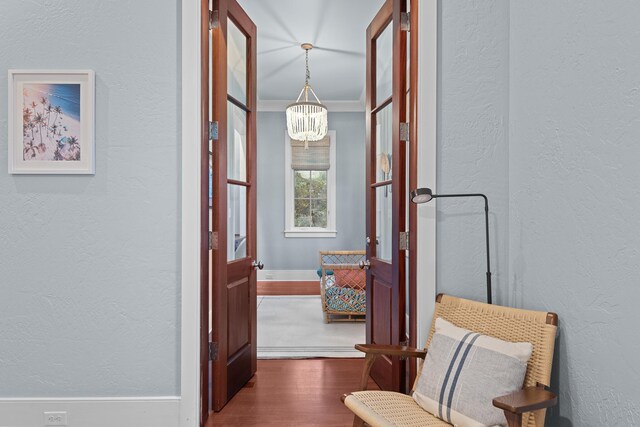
pixel 51 122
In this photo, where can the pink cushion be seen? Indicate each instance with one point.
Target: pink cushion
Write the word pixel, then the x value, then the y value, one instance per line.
pixel 356 279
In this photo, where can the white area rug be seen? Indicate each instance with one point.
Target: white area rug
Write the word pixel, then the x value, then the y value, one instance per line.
pixel 293 327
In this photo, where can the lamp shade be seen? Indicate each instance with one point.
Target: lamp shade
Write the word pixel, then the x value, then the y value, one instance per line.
pixel 421 195
pixel 307 121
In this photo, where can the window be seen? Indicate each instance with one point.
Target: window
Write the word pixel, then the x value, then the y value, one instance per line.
pixel 310 187
pixel 310 198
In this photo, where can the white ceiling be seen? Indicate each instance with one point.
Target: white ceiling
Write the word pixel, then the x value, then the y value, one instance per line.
pixel 336 28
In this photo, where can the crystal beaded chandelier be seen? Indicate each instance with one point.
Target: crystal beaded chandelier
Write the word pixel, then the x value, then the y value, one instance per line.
pixel 307 120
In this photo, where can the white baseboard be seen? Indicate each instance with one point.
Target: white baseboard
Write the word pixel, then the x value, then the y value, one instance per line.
pixel 287 275
pixel 93 412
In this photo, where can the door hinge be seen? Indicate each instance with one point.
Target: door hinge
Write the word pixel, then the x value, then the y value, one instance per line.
pixel 404 240
pixel 404 131
pixel 405 21
pixel 214 19
pixel 213 351
pixel 213 240
pixel 213 131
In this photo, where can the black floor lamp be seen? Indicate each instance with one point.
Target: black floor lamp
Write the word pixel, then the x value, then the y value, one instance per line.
pixel 424 195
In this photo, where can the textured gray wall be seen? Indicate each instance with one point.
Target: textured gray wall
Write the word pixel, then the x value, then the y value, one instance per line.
pixel 280 253
pixel 575 196
pixel 473 115
pixel 563 79
pixel 89 265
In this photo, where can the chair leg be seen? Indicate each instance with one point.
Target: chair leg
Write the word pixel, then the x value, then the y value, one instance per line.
pixel 357 422
pixel 368 364
pixel 513 420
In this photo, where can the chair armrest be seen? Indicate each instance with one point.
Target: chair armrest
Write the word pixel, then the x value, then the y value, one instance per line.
pixel 391 350
pixel 372 351
pixel 526 400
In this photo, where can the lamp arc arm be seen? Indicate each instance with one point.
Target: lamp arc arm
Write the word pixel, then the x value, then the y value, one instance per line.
pixel 486 227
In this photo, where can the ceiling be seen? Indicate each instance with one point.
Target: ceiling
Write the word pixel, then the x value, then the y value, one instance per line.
pixel 337 30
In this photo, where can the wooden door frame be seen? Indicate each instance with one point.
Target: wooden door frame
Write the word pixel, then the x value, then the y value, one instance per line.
pixel 191 120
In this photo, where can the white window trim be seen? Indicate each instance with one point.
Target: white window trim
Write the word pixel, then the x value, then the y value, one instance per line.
pixel 290 230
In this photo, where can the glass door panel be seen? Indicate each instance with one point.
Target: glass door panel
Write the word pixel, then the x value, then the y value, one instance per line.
pixel 236 63
pixel 384 143
pixel 384 65
pixel 236 143
pixel 384 223
pixel 236 222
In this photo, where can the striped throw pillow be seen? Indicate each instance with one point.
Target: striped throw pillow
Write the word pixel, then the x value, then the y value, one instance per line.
pixel 464 371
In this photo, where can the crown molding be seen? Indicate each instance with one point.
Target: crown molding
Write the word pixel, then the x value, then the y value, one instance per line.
pixel 332 106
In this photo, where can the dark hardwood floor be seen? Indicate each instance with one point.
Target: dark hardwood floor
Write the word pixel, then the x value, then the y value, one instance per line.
pixel 294 393
pixel 291 287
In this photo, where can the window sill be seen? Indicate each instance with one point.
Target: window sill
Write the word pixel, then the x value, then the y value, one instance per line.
pixel 322 233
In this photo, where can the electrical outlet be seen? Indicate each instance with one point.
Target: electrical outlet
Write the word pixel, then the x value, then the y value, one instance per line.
pixel 55 418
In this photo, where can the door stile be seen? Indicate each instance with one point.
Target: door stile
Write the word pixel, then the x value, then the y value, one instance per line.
pixel 413 183
pixel 219 208
pixel 370 95
pixel 252 197
pixel 399 186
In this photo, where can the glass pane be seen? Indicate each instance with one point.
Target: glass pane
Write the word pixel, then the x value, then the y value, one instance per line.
pixel 302 213
pixel 384 64
pixel 383 223
pixel 236 63
pixel 301 185
pixel 384 143
pixel 318 185
pixel 319 213
pixel 236 222
pixel 236 143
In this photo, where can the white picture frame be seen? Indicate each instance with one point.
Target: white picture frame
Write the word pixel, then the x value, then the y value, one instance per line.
pixel 51 122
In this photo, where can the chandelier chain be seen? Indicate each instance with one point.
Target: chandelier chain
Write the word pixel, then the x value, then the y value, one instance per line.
pixel 308 73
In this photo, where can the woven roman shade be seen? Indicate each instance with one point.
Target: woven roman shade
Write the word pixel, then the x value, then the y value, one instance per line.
pixel 314 158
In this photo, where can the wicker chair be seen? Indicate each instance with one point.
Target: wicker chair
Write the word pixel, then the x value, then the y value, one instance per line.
pixel 526 407
pixel 342 286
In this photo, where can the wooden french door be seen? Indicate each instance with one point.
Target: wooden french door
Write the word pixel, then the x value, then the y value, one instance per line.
pixel 229 157
pixel 386 195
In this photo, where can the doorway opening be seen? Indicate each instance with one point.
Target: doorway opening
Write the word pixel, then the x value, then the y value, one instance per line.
pixel 343 227
pixel 311 230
